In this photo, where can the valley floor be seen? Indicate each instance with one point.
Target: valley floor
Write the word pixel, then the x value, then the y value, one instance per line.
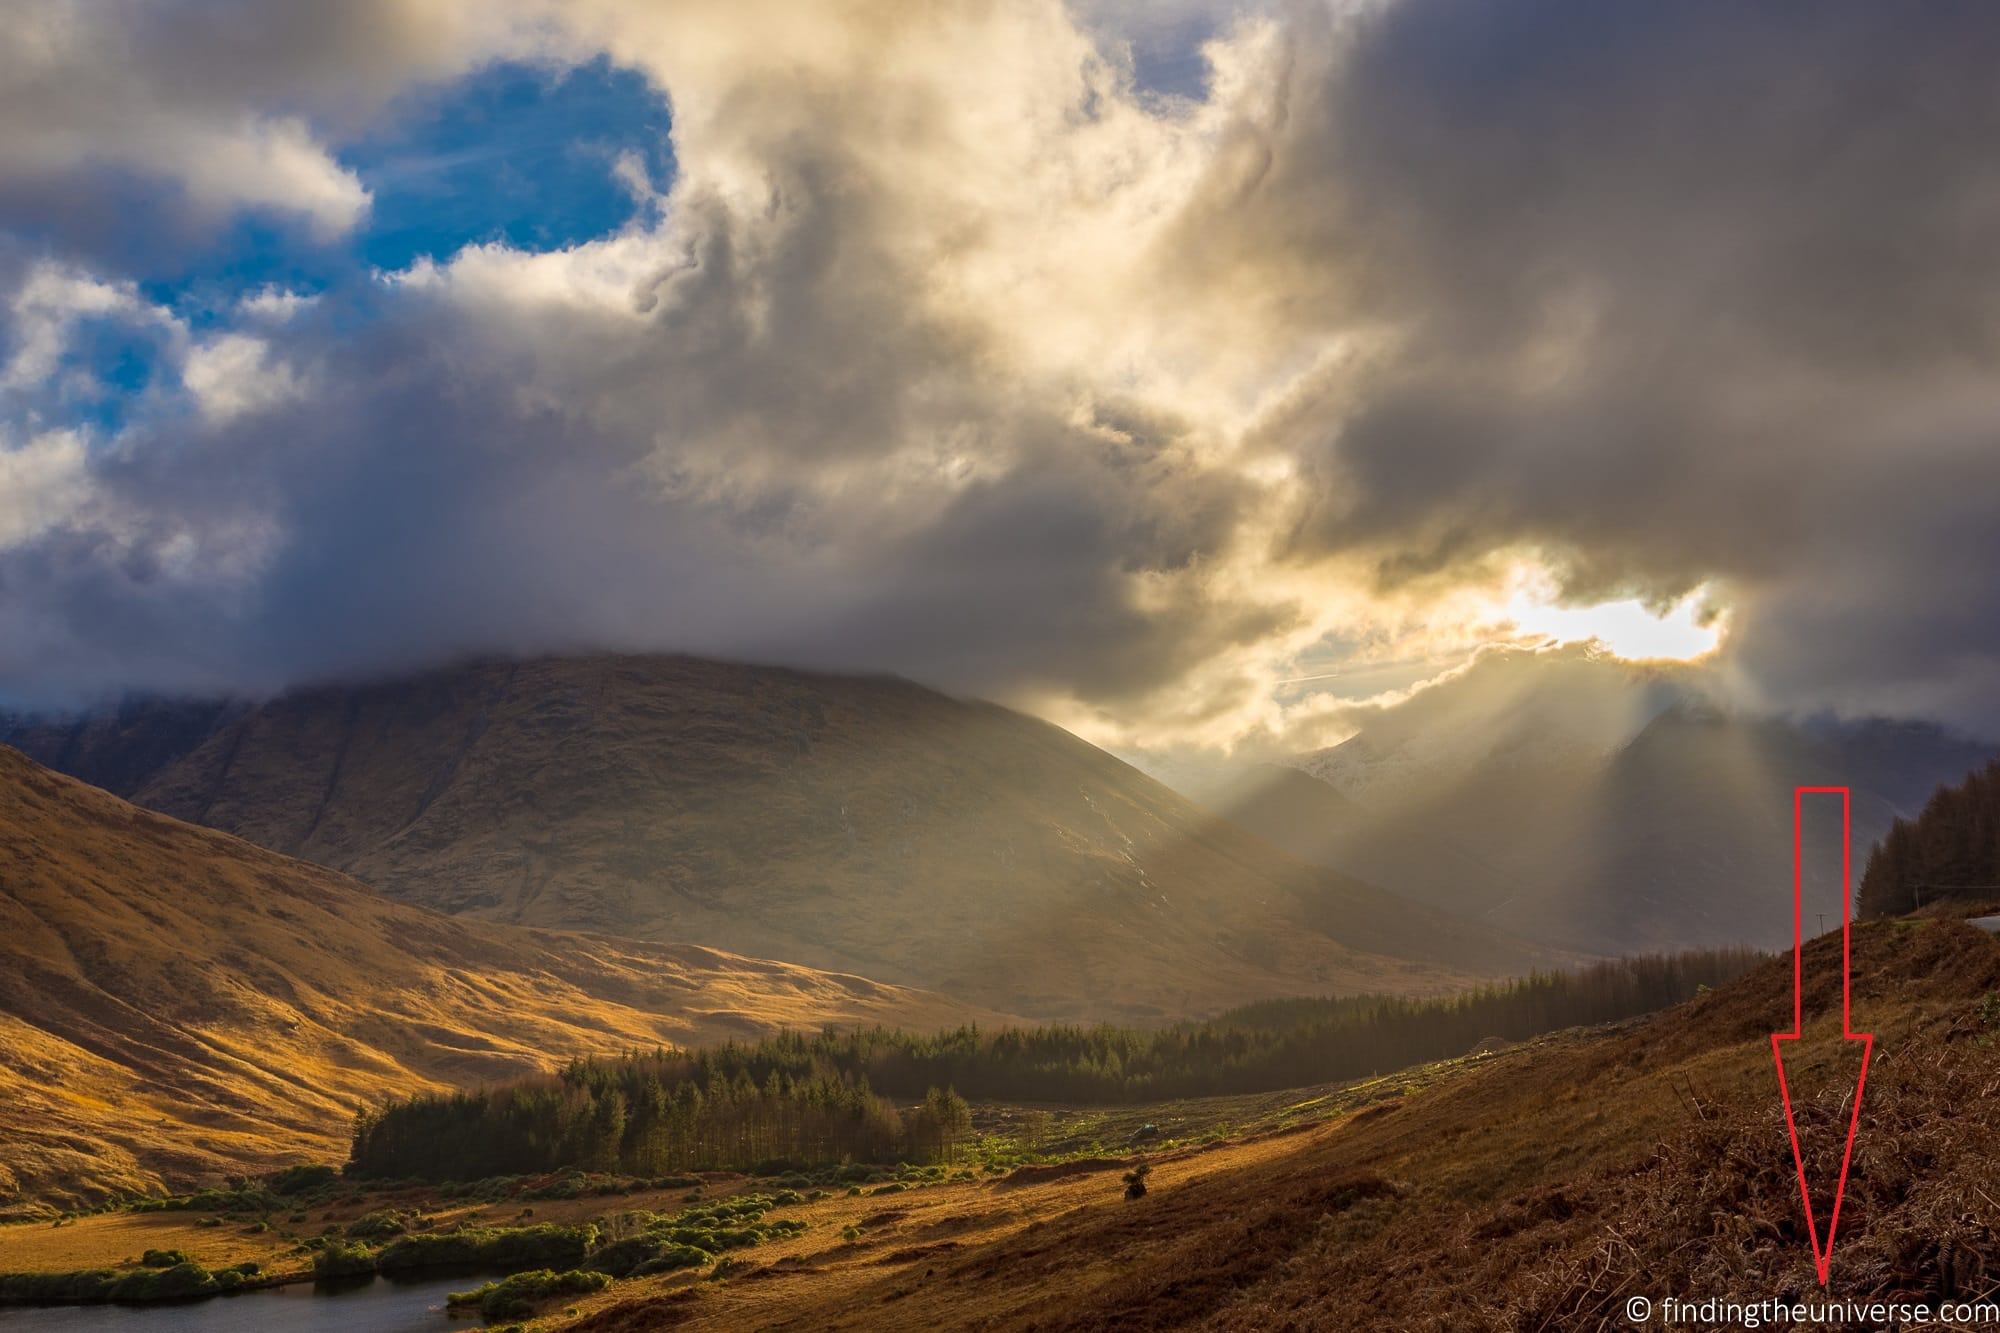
pixel 1536 1192
pixel 1540 1187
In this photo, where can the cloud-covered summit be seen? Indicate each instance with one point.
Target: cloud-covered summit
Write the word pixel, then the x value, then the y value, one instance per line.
pixel 1011 346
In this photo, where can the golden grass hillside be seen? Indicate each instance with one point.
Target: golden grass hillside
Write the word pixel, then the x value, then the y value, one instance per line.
pixel 176 1003
pixel 1536 1189
pixel 865 824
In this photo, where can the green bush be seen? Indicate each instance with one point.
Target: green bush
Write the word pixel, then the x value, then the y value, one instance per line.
pixel 162 1258
pixel 672 1258
pixel 252 1199
pixel 179 1283
pixel 89 1284
pixel 490 1247
pixel 515 1297
pixel 300 1179
pixel 378 1225
pixel 343 1259
pixel 621 1257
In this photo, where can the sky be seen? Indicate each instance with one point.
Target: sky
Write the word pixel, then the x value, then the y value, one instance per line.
pixel 1184 373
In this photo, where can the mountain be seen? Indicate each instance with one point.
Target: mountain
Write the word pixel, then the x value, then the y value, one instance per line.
pixel 1667 841
pixel 1642 819
pixel 177 1004
pixel 1309 818
pixel 862 824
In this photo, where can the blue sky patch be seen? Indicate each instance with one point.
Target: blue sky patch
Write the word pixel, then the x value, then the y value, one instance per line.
pixel 518 154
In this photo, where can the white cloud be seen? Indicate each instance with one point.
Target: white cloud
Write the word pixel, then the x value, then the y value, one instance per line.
pixel 235 373
pixel 275 304
pixel 48 304
pixel 43 482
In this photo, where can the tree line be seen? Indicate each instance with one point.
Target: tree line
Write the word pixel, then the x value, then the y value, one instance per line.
pixel 650 1115
pixel 1258 1048
pixel 829 1096
pixel 1950 850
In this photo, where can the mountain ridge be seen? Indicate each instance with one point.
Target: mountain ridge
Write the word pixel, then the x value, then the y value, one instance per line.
pixel 861 824
pixel 1654 841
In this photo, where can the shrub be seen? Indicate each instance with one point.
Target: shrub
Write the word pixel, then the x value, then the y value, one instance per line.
pixel 1135 1181
pixel 178 1283
pixel 162 1258
pixel 378 1225
pixel 672 1258
pixel 490 1247
pixel 894 1187
pixel 621 1257
pixel 514 1297
pixel 676 1182
pixel 89 1284
pixel 300 1179
pixel 343 1259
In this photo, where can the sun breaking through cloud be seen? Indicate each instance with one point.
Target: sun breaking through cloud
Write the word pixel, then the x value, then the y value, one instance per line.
pixel 1129 364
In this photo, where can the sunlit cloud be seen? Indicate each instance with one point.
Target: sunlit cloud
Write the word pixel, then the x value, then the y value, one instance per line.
pixel 1687 629
pixel 1181 373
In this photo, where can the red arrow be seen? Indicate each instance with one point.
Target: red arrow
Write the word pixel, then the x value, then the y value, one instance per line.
pixel 1822 1257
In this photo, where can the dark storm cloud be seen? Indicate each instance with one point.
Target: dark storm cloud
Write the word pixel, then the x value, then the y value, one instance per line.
pixel 938 352
pixel 1676 292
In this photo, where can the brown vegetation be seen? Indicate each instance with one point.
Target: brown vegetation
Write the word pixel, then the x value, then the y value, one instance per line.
pixel 176 1004
pixel 1536 1189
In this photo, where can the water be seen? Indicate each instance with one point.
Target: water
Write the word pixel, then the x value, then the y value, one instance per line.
pixel 378 1306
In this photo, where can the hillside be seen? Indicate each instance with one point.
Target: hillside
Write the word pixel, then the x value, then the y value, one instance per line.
pixel 1541 1188
pixel 176 1003
pixel 1951 850
pixel 863 824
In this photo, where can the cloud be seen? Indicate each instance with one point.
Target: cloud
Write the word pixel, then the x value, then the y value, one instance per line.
pixel 956 346
pixel 42 482
pixel 235 373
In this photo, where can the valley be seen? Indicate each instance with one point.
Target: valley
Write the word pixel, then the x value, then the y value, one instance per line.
pixel 1538 1185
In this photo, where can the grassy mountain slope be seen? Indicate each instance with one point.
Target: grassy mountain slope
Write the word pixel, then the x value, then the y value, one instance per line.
pixel 864 824
pixel 176 1003
pixel 1540 1188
